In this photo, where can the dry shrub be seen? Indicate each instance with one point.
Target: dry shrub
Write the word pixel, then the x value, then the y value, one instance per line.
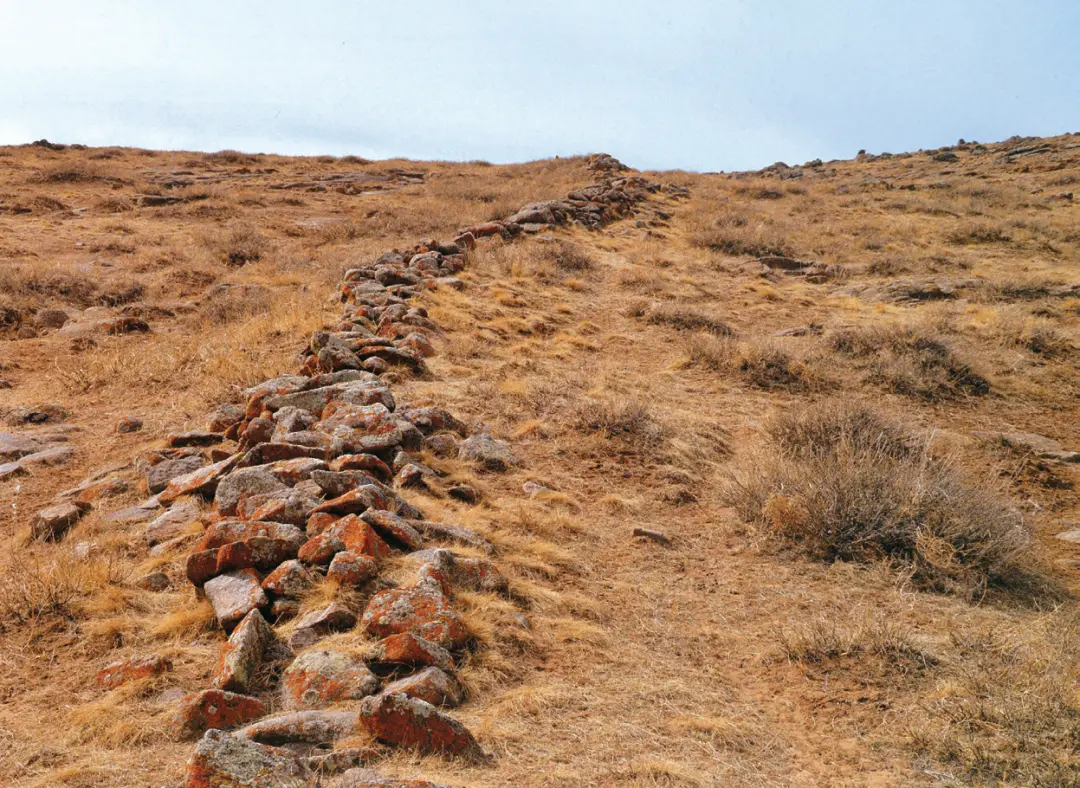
pixel 910 360
pixel 49 285
pixel 232 157
pixel 227 303
pixel 978 233
pixel 567 256
pixel 844 483
pixel 75 172
pixel 617 418
pixel 241 245
pixel 684 319
pixel 761 363
pixel 822 641
pixel 1008 712
pixel 34 586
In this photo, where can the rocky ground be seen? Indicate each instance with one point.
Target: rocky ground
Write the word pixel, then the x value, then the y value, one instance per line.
pixel 665 479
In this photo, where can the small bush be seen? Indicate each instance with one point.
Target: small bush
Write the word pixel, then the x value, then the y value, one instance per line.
pixel 844 483
pixel 978 233
pixel 568 257
pixel 760 363
pixel 910 360
pixel 243 245
pixel 625 420
pixel 687 320
pixel 232 157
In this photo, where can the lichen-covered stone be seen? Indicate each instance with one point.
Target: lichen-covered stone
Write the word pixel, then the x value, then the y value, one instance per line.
pixel 222 760
pixel 401 721
pixel 213 708
pixel 320 677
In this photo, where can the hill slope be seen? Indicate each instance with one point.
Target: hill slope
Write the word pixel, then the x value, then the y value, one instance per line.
pixel 845 393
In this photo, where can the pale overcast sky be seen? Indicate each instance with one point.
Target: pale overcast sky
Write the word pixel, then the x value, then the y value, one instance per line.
pixel 729 84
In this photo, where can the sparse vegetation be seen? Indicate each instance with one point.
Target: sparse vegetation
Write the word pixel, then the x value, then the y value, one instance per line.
pixel 845 484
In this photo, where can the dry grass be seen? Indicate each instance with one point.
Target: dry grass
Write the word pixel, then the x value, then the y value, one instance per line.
pixel 846 484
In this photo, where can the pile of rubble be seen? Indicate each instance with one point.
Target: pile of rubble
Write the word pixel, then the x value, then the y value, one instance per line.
pixel 304 475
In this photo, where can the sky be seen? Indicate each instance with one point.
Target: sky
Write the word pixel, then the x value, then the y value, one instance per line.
pixel 682 84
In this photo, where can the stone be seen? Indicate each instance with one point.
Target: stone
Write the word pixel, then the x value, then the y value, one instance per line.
pixel 362 462
pixel 359 537
pixel 171 523
pixel 309 727
pixel 234 595
pixel 222 760
pixel 202 482
pixel 1041 446
pixel 417 343
pixel 291 579
pixel 50 318
pixel 257 431
pixel 178 440
pixel 213 708
pixel 337 483
pixel 365 778
pixel 245 483
pixel 394 529
pixel 224 417
pixel 319 677
pixel 242 654
pixel 129 424
pixel 125 670
pixel 487 452
pixel 52 523
pixel 153 581
pixel 422 609
pixel 357 392
pixel 57 455
pixel 455 534
pixel 316 625
pixel 410 650
pixel 351 569
pixel 158 476
pixel 433 685
pixel 410 723
pixel 413 475
pixel 472 574
pixel 321 549
pixel 357 501
pixel 443 444
pixel 463 492
pixel 293 507
pixel 294 471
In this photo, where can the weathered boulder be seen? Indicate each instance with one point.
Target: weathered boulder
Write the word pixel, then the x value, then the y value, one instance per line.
pixel 53 522
pixel 242 654
pixel 320 677
pixel 316 625
pixel 352 569
pixel 213 708
pixel 422 609
pixel 394 529
pixel 310 727
pixel 158 476
pixel 171 524
pixel 203 481
pixel 362 462
pixel 222 760
pixel 245 483
pixel 472 574
pixel 365 778
pixel 432 685
pixel 489 453
pixel 234 595
pixel 411 650
pixel 291 579
pixel 125 670
pixel 401 721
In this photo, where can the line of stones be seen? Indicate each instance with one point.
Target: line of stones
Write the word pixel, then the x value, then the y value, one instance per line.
pixel 310 491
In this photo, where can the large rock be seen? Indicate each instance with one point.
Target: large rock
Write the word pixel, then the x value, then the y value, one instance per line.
pixel 173 523
pixel 202 482
pixel 351 569
pixel 221 760
pixel 245 483
pixel 53 522
pixel 234 595
pixel 213 708
pixel 410 650
pixel 432 685
pixel 487 452
pixel 291 579
pixel 472 574
pixel 320 677
pixel 242 654
pixel 421 609
pixel 310 727
pixel 316 625
pixel 401 721
pixel 365 778
pixel 133 669
pixel 394 529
